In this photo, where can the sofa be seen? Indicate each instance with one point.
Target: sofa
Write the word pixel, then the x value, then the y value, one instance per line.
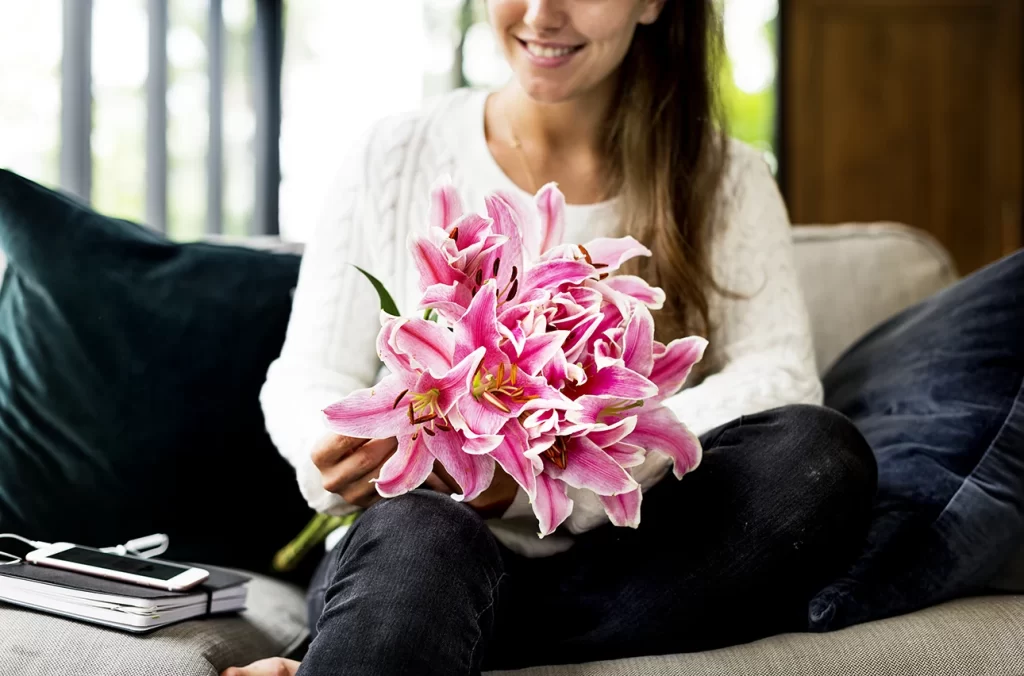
pixel 854 276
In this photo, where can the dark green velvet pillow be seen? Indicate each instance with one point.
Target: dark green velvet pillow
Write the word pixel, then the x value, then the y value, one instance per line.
pixel 130 370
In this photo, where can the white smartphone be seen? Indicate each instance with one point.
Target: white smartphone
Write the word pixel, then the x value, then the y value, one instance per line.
pixel 133 569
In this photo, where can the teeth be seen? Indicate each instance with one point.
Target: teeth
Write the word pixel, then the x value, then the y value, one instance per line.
pixel 548 52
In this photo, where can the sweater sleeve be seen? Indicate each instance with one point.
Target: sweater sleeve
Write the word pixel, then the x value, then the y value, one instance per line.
pixel 330 345
pixel 761 342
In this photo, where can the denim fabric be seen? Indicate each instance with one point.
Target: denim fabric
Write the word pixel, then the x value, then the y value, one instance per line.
pixel 419 585
pixel 938 391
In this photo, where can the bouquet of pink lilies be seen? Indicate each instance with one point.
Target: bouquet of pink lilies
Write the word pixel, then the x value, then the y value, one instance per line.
pixel 530 354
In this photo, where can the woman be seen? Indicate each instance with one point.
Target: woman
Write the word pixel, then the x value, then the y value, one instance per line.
pixel 613 100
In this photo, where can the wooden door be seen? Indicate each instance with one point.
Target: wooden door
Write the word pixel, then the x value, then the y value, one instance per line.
pixel 907 110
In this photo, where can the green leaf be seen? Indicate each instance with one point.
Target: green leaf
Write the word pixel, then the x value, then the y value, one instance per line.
pixel 387 303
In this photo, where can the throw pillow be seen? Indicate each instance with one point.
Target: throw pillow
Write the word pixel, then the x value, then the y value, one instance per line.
pixel 130 369
pixel 937 392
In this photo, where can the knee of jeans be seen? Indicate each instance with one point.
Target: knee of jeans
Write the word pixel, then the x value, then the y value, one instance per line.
pixel 423 517
pixel 831 447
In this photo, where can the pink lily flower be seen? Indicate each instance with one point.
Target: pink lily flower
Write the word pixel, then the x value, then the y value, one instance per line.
pixel 414 404
pixel 506 380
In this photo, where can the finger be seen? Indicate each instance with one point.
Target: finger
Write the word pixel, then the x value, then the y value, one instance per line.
pixel 363 461
pixel 363 491
pixel 333 448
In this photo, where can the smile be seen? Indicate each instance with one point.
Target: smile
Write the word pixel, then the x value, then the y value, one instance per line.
pixel 549 54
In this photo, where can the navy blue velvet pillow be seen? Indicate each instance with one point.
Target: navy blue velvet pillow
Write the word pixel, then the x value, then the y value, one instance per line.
pixel 937 392
pixel 130 370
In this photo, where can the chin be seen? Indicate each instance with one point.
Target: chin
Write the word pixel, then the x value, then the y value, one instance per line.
pixel 546 91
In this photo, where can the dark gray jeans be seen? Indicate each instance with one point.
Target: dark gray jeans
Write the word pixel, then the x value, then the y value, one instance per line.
pixel 733 552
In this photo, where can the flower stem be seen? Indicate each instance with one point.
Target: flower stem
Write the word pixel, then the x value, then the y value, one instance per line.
pixel 315 532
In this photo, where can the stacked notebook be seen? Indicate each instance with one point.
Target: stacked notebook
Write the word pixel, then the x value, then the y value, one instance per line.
pixel 117 604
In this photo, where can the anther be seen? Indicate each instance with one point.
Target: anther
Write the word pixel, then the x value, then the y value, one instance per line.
pixel 399 399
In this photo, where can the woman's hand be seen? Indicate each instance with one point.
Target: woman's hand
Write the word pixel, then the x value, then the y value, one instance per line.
pixel 496 498
pixel 347 464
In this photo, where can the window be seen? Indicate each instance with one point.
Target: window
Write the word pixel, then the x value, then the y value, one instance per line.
pixel 30 51
pixel 199 116
pixel 149 109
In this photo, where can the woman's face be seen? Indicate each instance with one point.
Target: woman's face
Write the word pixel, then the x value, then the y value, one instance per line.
pixel 561 49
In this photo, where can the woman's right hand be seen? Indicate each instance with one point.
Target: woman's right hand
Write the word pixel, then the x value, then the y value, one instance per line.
pixel 347 464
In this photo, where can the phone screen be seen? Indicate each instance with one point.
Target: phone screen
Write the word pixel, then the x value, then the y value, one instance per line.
pixel 124 564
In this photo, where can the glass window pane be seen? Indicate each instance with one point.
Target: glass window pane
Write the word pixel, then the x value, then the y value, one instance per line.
pixel 30 51
pixel 748 78
pixel 239 118
pixel 337 80
pixel 187 118
pixel 120 63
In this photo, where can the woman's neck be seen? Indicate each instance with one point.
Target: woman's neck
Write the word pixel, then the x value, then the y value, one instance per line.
pixel 575 126
pixel 534 143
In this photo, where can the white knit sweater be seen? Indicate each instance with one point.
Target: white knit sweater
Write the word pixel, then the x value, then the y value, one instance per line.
pixel 762 344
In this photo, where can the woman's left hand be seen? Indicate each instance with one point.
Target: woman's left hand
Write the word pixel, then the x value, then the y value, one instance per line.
pixel 496 498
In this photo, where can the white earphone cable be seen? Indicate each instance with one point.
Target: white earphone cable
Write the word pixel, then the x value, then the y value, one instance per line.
pixel 18 559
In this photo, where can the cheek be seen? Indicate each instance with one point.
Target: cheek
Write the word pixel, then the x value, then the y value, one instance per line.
pixel 503 14
pixel 609 27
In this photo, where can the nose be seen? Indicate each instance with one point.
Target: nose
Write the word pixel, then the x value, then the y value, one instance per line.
pixel 544 16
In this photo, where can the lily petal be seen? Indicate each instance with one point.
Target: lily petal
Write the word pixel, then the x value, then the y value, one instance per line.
pixel 623 509
pixel 370 413
pixel 481 417
pixel 479 444
pixel 445 204
pixel 618 382
pixel 606 435
pixel 538 350
pixel 638 341
pixel 587 466
pixel 453 384
pixel 614 251
pixel 432 263
pixel 450 301
pixel 473 228
pixel 472 472
pixel 510 455
pixel 555 273
pixel 397 363
pixel 659 430
pixel 635 287
pixel 627 455
pixel 552 505
pixel 551 206
pixel 406 469
pixel 427 344
pixel 478 327
pixel 671 369
pixel 508 214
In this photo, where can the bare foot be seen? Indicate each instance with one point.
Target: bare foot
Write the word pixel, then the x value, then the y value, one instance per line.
pixel 274 666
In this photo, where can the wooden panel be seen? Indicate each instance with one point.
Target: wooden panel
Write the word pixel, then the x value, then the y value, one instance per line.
pixel 907 110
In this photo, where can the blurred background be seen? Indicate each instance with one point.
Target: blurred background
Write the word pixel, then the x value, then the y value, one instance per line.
pixel 229 116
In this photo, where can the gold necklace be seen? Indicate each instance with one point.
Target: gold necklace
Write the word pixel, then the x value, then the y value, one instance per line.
pixel 517 145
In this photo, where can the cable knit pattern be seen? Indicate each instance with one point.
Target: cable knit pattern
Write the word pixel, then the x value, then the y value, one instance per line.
pixel 762 341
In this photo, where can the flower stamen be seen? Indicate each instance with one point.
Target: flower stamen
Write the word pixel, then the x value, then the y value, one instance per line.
pixel 495 402
pixel 399 399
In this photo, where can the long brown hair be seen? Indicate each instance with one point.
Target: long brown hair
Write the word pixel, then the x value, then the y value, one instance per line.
pixel 668 150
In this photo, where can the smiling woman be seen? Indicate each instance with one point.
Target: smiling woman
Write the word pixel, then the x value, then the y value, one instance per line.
pixel 616 102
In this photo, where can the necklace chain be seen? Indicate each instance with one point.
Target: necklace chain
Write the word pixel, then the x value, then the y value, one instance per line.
pixel 517 145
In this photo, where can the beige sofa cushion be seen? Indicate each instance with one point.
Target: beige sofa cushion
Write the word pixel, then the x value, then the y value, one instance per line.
pixel 857 275
pixel 971 637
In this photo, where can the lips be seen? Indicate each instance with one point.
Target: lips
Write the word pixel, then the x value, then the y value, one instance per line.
pixel 548 51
